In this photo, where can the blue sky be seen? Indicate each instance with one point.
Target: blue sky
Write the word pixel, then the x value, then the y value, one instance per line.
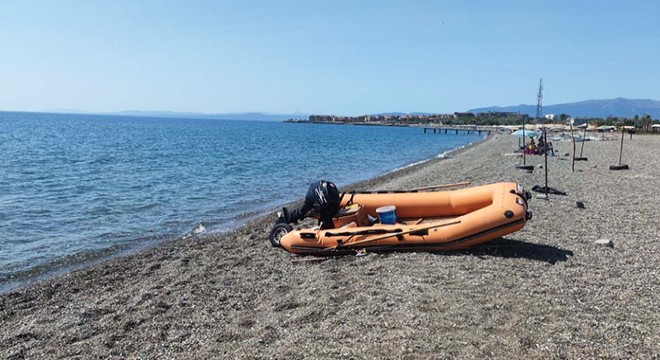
pixel 323 57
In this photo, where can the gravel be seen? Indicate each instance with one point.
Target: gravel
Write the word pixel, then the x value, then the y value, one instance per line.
pixel 547 291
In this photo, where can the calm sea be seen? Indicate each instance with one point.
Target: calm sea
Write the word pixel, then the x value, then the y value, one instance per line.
pixel 74 187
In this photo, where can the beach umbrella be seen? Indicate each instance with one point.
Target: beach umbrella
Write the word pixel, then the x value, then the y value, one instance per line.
pixel 521 133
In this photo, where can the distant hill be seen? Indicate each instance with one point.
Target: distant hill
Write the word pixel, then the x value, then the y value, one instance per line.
pixel 224 116
pixel 589 108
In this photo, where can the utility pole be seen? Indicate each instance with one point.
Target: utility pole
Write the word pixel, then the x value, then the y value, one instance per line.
pixel 539 108
pixel 539 102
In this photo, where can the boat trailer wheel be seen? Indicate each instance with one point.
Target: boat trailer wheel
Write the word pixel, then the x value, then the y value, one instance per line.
pixel 277 232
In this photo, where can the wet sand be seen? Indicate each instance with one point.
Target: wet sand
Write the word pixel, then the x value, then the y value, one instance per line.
pixel 546 291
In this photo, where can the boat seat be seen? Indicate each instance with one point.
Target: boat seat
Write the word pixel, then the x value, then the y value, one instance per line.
pixel 353 213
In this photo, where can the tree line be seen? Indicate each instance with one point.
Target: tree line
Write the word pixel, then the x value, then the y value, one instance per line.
pixel 643 123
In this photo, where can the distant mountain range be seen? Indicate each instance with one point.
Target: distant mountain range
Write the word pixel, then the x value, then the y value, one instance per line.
pixel 224 116
pixel 619 107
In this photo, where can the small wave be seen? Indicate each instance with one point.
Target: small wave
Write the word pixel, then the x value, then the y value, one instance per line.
pixel 196 231
pixel 446 154
pixel 449 153
pixel 199 229
pixel 408 166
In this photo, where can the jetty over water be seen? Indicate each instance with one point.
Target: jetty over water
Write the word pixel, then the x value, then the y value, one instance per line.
pixel 456 129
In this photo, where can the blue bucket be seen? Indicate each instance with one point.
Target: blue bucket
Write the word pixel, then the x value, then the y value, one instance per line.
pixel 387 214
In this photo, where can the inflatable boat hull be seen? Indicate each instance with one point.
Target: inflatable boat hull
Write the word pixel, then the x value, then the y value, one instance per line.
pixel 429 221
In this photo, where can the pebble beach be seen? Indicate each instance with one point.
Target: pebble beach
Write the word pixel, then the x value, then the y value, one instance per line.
pixel 547 291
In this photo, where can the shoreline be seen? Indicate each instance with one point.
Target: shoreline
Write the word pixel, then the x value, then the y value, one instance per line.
pixel 544 291
pixel 62 266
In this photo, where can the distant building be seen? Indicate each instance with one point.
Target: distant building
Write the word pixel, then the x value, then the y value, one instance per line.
pixel 550 117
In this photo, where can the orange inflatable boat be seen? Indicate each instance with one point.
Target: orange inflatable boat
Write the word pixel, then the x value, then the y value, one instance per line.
pixel 417 220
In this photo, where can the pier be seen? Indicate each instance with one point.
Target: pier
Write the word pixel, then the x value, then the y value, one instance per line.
pixel 457 129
